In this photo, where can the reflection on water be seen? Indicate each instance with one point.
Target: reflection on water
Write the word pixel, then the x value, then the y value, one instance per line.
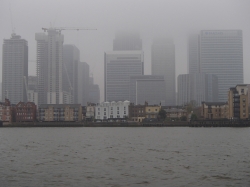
pixel 125 157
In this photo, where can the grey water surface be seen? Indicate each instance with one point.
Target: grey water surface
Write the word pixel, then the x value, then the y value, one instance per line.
pixel 125 157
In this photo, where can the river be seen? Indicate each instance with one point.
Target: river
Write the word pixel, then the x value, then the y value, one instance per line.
pixel 115 157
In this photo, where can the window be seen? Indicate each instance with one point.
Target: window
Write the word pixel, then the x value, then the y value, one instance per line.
pixel 117 112
pixel 124 112
pixel 242 91
pixel 104 109
pixel 118 108
pixel 111 108
pixel 156 109
pixel 104 113
pixel 98 109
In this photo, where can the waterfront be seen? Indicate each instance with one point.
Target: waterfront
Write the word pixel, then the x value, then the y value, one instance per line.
pixel 152 156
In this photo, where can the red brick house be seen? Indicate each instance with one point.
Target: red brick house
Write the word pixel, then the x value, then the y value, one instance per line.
pixel 5 111
pixel 25 112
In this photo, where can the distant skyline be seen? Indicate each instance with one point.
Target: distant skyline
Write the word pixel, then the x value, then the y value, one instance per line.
pixel 163 18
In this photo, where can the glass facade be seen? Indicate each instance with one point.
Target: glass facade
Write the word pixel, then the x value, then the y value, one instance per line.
pixel 221 54
pixel 119 66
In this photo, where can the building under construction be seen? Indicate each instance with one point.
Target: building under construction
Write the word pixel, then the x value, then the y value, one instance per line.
pixel 50 67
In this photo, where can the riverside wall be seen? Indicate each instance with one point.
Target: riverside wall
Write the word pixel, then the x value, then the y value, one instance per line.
pixel 94 124
pixel 202 123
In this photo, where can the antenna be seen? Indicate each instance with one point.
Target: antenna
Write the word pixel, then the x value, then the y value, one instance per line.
pixel 12 25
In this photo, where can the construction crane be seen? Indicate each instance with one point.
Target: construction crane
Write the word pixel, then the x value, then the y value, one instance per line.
pixel 60 29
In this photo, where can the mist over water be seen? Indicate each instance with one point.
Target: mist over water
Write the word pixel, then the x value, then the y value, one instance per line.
pixel 124 157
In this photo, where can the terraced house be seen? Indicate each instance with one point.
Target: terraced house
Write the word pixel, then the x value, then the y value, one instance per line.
pixel 60 112
pixel 24 112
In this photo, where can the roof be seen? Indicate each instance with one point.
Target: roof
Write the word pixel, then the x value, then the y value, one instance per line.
pixel 59 105
pixel 174 110
pixel 215 103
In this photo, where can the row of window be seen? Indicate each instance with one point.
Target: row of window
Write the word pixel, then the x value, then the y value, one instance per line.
pixel 112 113
pixel 111 108
pixel 111 116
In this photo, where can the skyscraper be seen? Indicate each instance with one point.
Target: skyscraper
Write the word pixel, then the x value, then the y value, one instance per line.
pixel 221 54
pixel 118 67
pixel 163 63
pixel 194 54
pixel 32 89
pixel 15 69
pixel 83 83
pixel 197 87
pixel 127 41
pixel 147 88
pixel 71 58
pixel 49 68
pixel 94 91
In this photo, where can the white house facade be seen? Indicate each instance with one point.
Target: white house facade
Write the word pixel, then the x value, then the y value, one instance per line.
pixel 112 110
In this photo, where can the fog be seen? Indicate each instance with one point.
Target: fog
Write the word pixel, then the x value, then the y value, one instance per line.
pixel 151 18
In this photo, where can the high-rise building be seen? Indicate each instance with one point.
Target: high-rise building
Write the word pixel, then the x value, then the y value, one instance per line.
pixel 221 54
pixel 194 54
pixel 32 89
pixel 163 63
pixel 184 89
pixel 71 58
pixel 42 67
pixel 83 83
pixel 94 92
pixel 118 67
pixel 15 69
pixel 49 68
pixel 147 88
pixel 197 87
pixel 127 41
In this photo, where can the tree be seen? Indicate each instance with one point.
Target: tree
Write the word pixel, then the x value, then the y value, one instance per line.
pixel 183 118
pixel 162 114
pixel 193 117
pixel 190 106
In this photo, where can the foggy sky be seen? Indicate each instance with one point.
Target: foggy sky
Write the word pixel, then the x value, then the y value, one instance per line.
pixel 151 18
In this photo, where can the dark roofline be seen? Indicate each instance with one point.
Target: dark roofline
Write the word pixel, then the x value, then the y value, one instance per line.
pixel 59 105
pixel 214 103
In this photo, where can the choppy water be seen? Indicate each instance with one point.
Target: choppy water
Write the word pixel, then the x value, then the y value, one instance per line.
pixel 125 157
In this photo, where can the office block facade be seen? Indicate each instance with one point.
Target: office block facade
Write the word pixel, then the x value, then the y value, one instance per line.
pixel 71 59
pixel 83 83
pixel 119 66
pixel 127 41
pixel 194 54
pixel 221 54
pixel 163 63
pixel 147 88
pixel 197 87
pixel 94 91
pixel 15 69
